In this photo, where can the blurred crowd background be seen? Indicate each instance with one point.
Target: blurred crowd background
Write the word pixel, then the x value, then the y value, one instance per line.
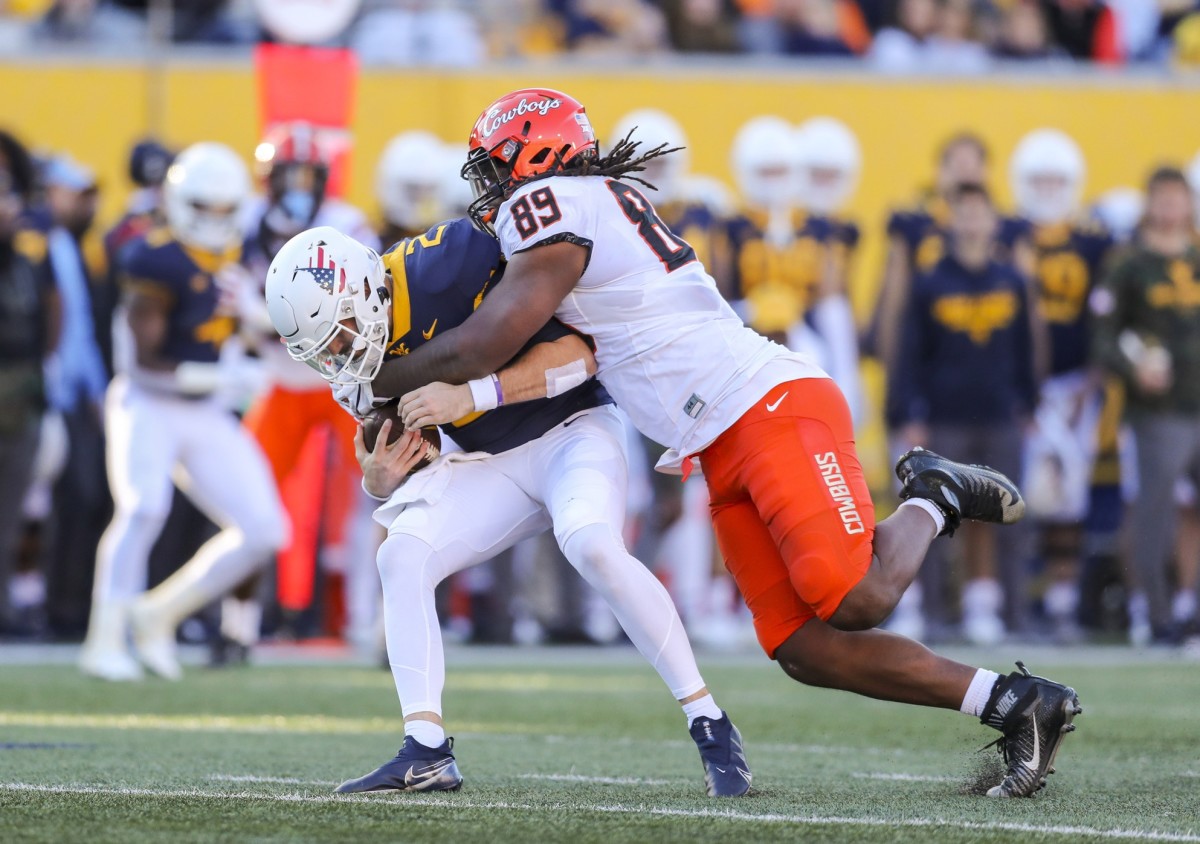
pixel 959 36
pixel 982 300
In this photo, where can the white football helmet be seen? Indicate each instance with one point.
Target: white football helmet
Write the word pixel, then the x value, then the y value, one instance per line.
pixel 828 162
pixel 1046 173
pixel 203 195
pixel 327 300
pixel 764 162
pixel 457 194
pixel 1120 211
pixel 650 128
pixel 409 180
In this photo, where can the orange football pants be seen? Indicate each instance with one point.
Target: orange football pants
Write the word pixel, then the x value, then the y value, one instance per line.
pixel 793 516
pixel 293 428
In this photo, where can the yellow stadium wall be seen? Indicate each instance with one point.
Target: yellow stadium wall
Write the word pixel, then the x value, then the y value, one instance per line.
pixel 1124 126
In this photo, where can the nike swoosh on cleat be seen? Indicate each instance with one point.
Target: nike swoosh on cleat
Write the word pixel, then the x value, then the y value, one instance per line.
pixel 1036 761
pixel 745 774
pixel 715 768
pixel 413 776
pixel 771 407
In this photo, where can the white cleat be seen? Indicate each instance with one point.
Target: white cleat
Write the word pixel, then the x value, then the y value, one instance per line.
pixel 154 642
pixel 112 664
pixel 983 629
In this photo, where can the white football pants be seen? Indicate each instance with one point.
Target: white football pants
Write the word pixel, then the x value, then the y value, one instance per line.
pixel 461 512
pixel 155 439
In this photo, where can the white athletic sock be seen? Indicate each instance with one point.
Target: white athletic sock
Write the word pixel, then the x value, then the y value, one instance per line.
pixel 939 518
pixel 1183 606
pixel 978 692
pixel 701 707
pixel 426 732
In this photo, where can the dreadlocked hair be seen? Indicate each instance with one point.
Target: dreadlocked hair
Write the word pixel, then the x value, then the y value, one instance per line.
pixel 619 163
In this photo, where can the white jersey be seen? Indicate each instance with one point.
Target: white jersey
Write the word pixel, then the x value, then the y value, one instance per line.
pixel 669 349
pixel 281 370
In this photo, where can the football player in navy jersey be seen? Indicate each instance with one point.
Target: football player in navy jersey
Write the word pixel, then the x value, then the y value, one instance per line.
pixel 165 421
pixel 1047 175
pixel 543 448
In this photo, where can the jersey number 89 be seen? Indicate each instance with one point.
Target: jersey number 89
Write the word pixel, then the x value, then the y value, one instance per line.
pixel 539 209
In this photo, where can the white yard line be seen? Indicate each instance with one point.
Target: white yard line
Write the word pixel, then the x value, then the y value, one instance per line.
pixel 601 780
pixel 274 780
pixel 317 724
pixel 862 775
pixel 457 802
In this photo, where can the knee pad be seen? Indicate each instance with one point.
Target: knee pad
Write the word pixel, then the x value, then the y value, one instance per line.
pixel 599 555
pixel 402 561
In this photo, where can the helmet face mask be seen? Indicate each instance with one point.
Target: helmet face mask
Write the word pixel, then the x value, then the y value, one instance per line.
pixel 327 300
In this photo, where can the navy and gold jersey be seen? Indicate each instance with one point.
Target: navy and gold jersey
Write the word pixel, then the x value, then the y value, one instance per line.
pixel 1069 258
pixel 158 265
pixel 788 277
pixel 923 230
pixel 438 280
pixel 966 352
pixel 700 227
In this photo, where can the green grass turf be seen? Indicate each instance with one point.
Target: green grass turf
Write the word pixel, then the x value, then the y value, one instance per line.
pixel 538 732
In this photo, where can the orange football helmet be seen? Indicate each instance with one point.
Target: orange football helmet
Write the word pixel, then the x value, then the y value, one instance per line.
pixel 528 133
pixel 295 172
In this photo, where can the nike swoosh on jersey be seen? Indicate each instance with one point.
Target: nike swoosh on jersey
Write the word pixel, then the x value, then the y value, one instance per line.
pixel 1034 763
pixel 771 407
pixel 429 334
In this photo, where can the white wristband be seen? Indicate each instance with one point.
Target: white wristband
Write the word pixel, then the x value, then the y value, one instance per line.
pixel 483 394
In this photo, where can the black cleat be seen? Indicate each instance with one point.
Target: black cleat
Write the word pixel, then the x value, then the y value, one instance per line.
pixel 1034 714
pixel 959 490
pixel 726 771
pixel 415 768
pixel 224 652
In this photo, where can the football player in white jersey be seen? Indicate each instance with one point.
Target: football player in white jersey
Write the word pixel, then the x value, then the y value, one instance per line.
pixel 165 419
pixel 793 516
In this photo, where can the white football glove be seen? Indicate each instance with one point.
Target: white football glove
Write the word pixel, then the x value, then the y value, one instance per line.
pixel 356 399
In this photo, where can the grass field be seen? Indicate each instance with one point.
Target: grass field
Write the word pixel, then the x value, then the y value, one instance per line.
pixel 579 746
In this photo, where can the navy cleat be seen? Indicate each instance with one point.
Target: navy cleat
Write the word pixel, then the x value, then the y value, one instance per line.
pixel 1034 714
pixel 415 768
pixel 726 771
pixel 959 490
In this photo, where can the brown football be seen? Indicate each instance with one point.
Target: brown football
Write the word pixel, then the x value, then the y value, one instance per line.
pixel 374 420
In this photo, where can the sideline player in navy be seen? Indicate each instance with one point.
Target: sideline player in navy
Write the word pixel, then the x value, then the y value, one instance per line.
pixel 555 462
pixel 166 420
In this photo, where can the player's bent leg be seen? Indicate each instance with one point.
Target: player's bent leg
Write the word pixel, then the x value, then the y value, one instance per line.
pixel 583 480
pixel 900 544
pixel 1034 714
pixel 245 503
pixel 140 452
pixel 426 543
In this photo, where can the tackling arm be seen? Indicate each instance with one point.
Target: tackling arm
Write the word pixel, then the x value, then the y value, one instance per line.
pixel 547 369
pixel 535 284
